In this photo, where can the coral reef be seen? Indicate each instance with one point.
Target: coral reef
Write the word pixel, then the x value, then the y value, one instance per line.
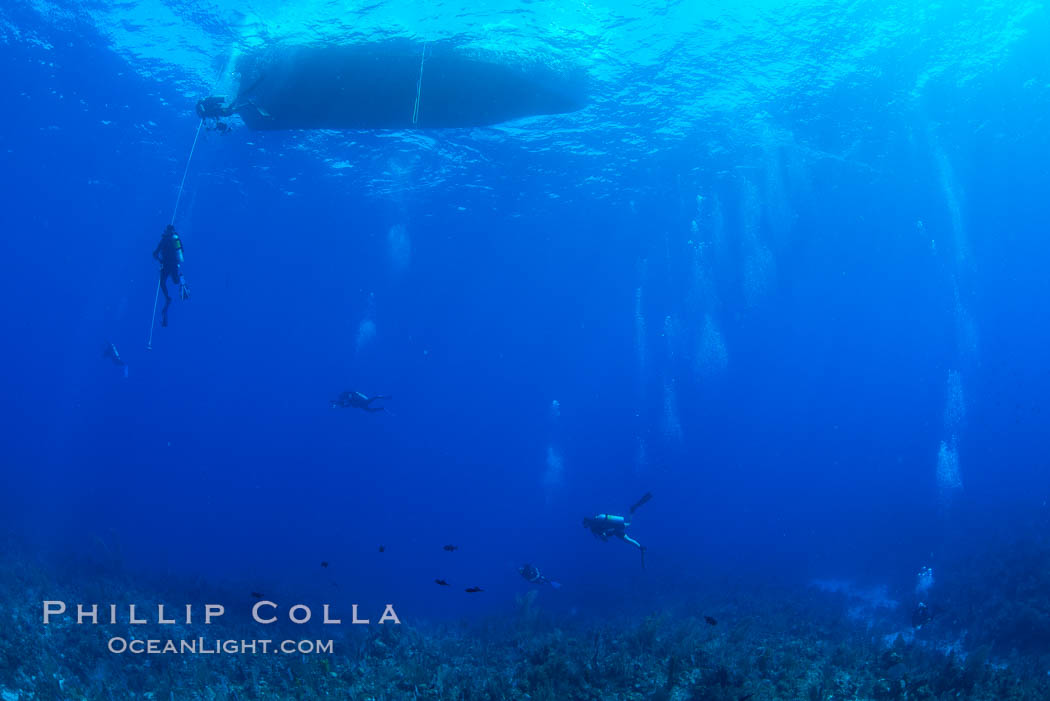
pixel 744 646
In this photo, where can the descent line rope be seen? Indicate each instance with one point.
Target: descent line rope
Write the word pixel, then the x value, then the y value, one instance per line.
pixel 419 84
pixel 178 198
pixel 186 171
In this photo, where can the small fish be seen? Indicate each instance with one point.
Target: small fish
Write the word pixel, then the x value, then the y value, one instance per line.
pixel 450 548
pixel 324 563
pixel 710 621
pixel 382 548
pixel 441 582
pixel 473 590
pixel 257 595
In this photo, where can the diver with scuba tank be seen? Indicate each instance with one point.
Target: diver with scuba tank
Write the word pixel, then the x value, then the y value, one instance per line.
pixel 532 575
pixel 605 526
pixel 169 254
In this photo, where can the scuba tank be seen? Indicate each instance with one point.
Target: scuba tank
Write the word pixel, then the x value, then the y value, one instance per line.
pixel 176 247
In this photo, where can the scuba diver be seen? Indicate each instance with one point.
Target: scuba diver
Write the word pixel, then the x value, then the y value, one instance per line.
pixel 213 111
pixel 921 615
pixel 109 351
pixel 532 574
pixel 357 400
pixel 605 525
pixel 214 107
pixel 169 254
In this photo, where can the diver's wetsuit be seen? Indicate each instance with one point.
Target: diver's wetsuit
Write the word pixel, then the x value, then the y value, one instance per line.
pixel 532 574
pixel 214 107
pixel 169 254
pixel 605 525
pixel 356 400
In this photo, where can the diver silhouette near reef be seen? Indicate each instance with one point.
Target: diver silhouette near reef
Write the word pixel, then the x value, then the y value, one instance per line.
pixel 531 573
pixel 923 613
pixel 169 254
pixel 357 400
pixel 605 525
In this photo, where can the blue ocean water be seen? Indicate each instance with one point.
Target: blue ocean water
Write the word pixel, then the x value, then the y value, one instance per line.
pixel 786 271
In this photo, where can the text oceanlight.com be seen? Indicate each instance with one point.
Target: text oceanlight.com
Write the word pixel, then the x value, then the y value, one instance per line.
pixel 200 646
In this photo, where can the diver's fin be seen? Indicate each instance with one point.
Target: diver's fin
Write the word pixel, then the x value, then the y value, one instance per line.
pixel 555 585
pixel 262 113
pixel 646 497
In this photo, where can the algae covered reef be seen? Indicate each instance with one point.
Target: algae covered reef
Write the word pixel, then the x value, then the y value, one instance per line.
pixel 734 642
